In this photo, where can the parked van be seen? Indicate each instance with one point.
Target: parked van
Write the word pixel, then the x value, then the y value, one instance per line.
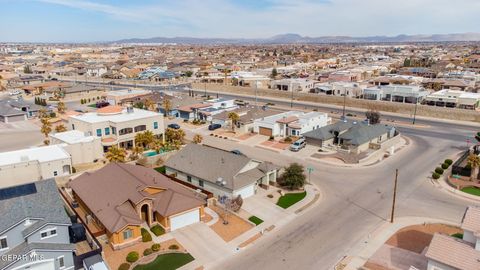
pixel 298 144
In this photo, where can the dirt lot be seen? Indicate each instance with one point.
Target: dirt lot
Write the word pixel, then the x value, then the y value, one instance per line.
pixel 416 238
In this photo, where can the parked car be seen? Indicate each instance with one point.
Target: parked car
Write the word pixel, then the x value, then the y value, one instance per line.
pixel 236 152
pixel 14 93
pixel 102 104
pixel 298 144
pixel 174 126
pixel 214 126
pixel 240 102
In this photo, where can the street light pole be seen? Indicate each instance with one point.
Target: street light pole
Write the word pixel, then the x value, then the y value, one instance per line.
pixel 415 111
pixel 394 196
pixel 344 102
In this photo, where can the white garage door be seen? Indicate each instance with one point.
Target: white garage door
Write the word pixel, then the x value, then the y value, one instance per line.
pixel 41 265
pixel 246 191
pixel 184 219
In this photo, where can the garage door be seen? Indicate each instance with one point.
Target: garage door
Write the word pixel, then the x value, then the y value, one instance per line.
pixel 265 131
pixel 184 219
pixel 40 265
pixel 246 191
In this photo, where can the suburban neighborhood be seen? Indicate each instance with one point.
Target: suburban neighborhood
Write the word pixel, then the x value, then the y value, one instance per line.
pixel 162 135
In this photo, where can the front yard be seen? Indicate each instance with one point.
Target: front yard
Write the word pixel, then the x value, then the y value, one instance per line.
pixel 290 199
pixel 255 220
pixel 169 261
pixel 472 190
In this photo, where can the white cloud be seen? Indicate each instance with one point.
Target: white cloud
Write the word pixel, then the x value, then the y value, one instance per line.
pixel 228 18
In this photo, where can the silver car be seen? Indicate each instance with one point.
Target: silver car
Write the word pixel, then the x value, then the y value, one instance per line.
pixel 298 144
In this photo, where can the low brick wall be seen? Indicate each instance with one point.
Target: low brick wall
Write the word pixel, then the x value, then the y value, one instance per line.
pixel 386 106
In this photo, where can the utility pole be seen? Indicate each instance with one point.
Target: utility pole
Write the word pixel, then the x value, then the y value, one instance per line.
pixel 415 111
pixel 394 196
pixel 205 86
pixel 344 102
pixel 291 100
pixel 256 99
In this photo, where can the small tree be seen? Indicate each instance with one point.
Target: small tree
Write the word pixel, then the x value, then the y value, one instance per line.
pixel 197 139
pixel 274 73
pixel 149 104
pixel 474 162
pixel 27 69
pixel 46 127
pixel 156 145
pixel 373 116
pixel 189 73
pixel 233 116
pixel 61 107
pixel 167 106
pixel 60 128
pixel 136 152
pixel 174 137
pixel 293 177
pixel 116 154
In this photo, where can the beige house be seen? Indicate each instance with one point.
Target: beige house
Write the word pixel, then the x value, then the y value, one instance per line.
pixel 33 164
pixel 116 125
pixel 82 148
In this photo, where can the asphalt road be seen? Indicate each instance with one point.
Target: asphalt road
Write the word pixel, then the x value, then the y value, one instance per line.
pixel 355 201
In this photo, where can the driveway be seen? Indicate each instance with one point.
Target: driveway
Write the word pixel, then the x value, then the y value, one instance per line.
pixel 260 206
pixel 203 243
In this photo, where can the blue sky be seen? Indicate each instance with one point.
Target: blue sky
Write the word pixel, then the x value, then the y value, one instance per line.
pixel 104 20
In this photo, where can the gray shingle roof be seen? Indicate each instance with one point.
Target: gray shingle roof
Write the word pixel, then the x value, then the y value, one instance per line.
pixel 25 248
pixel 210 164
pixel 7 110
pixel 45 205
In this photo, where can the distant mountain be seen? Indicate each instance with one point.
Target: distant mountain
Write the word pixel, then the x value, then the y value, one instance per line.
pixel 298 39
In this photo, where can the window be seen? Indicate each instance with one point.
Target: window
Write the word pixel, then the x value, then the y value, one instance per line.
pixel 99 132
pixel 55 173
pixel 107 131
pixel 73 126
pixel 140 128
pixel 127 234
pixel 44 234
pixel 200 183
pixel 114 130
pixel 48 233
pixel 155 125
pixel 124 131
pixel 189 178
pixel 53 232
pixel 61 262
pixel 3 243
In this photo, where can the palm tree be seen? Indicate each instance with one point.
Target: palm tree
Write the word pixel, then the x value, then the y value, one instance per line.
pixel 233 116
pixel 116 154
pixel 167 106
pixel 144 139
pixel 156 145
pixel 42 113
pixel 136 152
pixel 60 128
pixel 46 127
pixel 197 139
pixel 474 162
pixel 61 107
pixel 149 104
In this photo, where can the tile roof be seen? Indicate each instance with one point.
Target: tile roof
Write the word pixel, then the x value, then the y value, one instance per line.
pixel 471 220
pixel 118 187
pixel 453 252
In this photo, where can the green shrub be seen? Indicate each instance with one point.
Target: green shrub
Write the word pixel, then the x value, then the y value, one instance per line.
pixel 458 235
pixel 146 236
pixel 271 138
pixel 468 166
pixel 132 257
pixel 74 170
pixel 156 247
pixel 124 266
pixel 445 166
pixel 439 170
pixel 448 161
pixel 157 230
pixel 435 175
pixel 288 140
pixel 173 247
pixel 52 114
pixel 147 252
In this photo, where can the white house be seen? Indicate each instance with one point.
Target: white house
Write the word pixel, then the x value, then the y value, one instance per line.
pixel 82 147
pixel 292 123
pixel 397 93
pixel 453 98
pixel 298 85
pixel 32 164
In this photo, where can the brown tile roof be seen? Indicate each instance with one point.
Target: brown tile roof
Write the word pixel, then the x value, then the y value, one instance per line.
pixel 110 109
pixel 112 192
pixel 453 252
pixel 471 220
pixel 287 120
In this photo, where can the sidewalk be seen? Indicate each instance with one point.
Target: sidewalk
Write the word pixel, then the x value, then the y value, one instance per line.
pixel 444 186
pixel 368 246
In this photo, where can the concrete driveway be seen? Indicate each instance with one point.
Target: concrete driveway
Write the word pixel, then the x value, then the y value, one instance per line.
pixel 260 206
pixel 203 243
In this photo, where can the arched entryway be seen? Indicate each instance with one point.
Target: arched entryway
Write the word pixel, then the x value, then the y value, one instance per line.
pixel 145 213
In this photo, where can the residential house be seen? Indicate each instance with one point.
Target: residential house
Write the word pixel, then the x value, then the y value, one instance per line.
pixel 83 148
pixel 10 114
pixel 220 172
pixel 34 228
pixel 126 198
pixel 117 97
pixel 397 93
pixel 292 123
pixel 116 125
pixel 247 116
pixel 446 252
pixel 31 164
pixel 356 137
pixel 453 99
pixel 298 85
